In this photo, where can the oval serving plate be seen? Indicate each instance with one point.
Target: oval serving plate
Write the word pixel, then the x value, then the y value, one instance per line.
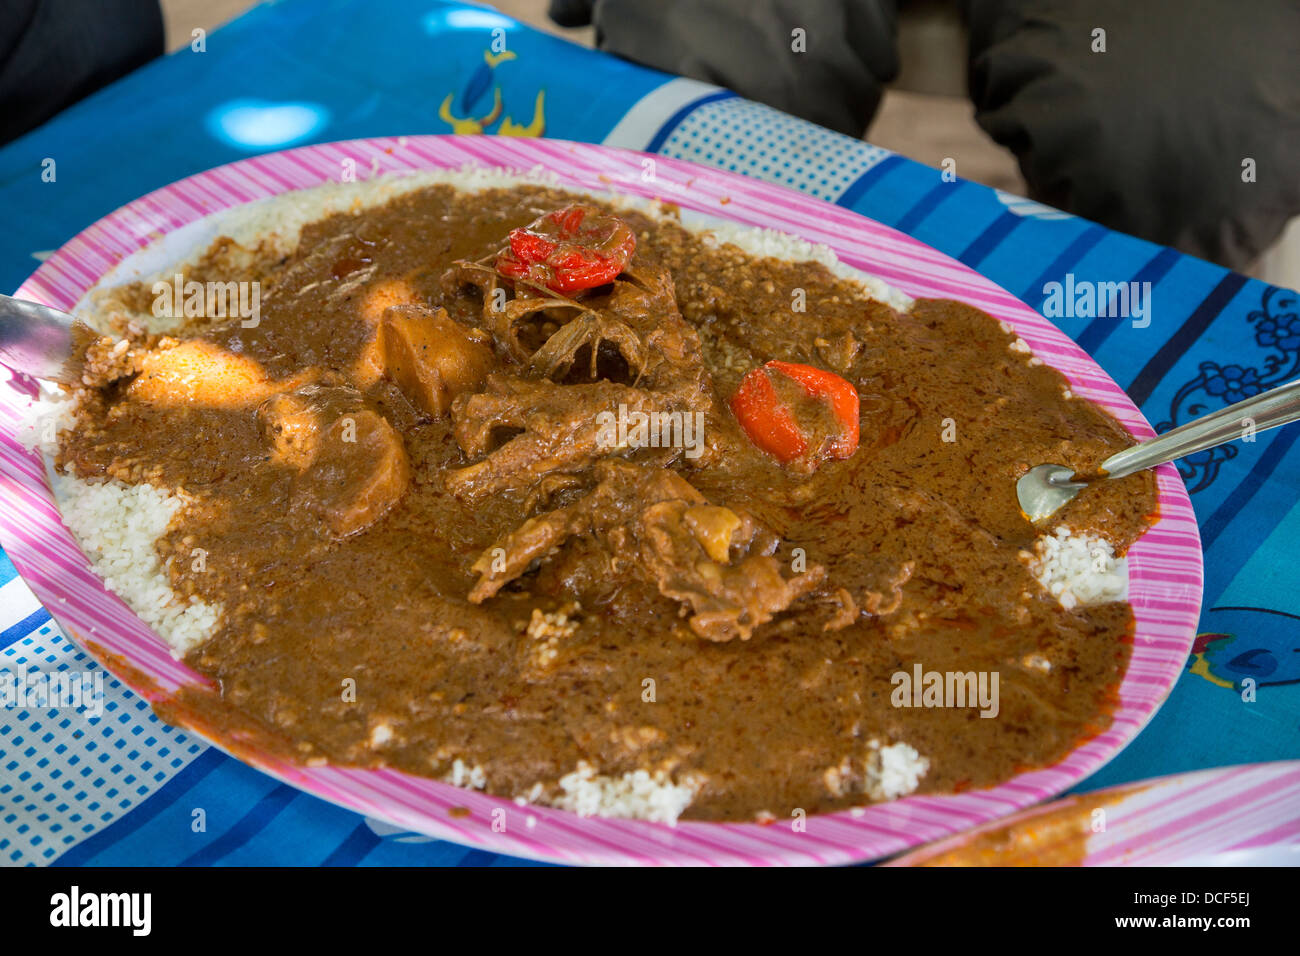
pixel 1164 565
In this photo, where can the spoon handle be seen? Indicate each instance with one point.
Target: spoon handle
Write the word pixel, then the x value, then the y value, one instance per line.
pixel 1269 409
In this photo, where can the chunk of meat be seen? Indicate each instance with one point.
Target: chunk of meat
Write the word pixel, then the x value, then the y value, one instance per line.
pixel 358 472
pixel 197 372
pixel 840 351
pixel 717 562
pixel 431 358
pixel 729 598
pixel 621 490
pixel 637 319
pixel 561 433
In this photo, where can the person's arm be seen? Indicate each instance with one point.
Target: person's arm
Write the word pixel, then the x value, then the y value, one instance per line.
pixel 55 52
pixel 1180 123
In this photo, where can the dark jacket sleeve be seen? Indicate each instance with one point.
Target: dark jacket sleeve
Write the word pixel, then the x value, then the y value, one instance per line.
pixel 1152 135
pixel 824 60
pixel 55 52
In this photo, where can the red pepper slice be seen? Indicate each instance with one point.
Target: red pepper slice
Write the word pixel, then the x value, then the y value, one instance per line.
pixel 773 425
pixel 568 250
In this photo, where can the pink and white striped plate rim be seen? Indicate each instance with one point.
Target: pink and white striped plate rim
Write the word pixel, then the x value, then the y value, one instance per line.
pixel 1242 815
pixel 1165 565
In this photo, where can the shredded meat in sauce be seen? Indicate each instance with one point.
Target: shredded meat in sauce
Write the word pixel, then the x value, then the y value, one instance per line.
pixel 404 461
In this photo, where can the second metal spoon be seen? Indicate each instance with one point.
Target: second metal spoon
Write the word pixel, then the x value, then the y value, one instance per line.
pixel 1045 489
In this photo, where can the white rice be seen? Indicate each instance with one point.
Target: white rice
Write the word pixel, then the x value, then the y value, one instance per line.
pixel 116 525
pixel 1078 569
pixel 463 775
pixel 780 245
pixel 894 771
pixel 637 795
pixel 54 411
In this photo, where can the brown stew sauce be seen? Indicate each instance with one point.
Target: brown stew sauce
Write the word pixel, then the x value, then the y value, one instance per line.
pixel 357 563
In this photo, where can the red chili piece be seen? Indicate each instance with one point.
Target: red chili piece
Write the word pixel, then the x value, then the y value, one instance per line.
pixel 568 250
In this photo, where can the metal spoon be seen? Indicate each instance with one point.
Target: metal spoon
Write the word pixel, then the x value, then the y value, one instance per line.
pixel 1045 489
pixel 37 340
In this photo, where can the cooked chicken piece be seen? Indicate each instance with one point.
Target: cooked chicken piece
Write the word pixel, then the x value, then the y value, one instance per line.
pixel 718 562
pixel 431 358
pixel 534 539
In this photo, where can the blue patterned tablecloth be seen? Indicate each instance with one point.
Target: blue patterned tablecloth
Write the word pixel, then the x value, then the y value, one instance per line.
pixel 123 788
